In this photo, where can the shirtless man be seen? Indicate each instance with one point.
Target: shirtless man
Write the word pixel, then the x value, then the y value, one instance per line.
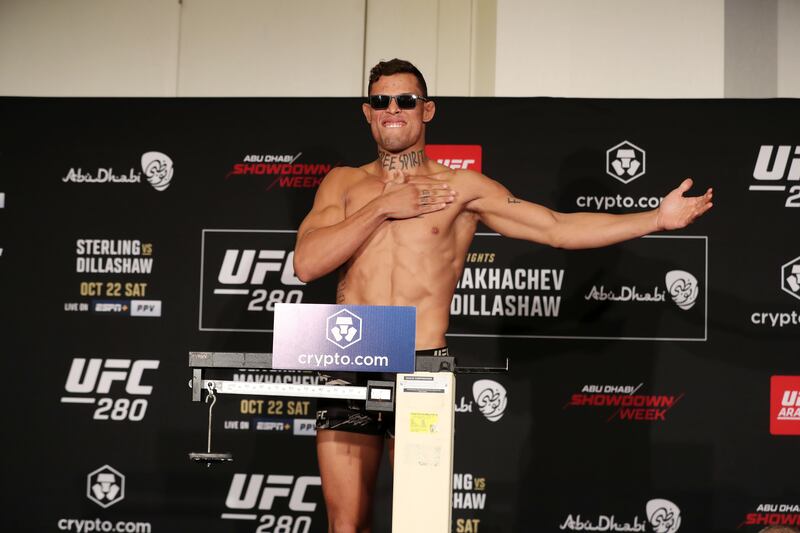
pixel 398 229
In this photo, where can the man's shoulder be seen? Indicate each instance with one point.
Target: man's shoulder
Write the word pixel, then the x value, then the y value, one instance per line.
pixel 470 180
pixel 343 172
pixel 470 175
pixel 452 175
pixel 472 185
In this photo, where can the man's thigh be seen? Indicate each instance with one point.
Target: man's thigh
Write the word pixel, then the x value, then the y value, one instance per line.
pixel 348 465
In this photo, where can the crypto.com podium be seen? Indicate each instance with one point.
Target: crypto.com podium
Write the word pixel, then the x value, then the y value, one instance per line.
pixel 352 338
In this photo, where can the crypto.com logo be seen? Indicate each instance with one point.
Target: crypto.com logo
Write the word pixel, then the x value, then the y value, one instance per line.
pixel 158 168
pixel 491 397
pixel 663 515
pixel 683 288
pixel 625 162
pixel 105 486
pixel 790 277
pixel 344 328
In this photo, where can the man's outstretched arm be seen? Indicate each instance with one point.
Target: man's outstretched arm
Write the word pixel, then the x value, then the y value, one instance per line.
pixel 327 238
pixel 519 219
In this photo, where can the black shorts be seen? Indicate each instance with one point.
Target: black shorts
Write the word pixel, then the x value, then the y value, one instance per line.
pixel 351 415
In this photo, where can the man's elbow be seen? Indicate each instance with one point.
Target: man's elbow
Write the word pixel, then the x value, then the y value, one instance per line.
pixel 566 242
pixel 556 239
pixel 303 269
pixel 559 234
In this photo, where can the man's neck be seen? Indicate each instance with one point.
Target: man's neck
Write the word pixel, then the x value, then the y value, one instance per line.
pixel 410 161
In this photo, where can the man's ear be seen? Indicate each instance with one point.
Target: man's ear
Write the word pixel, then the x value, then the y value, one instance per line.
pixel 367 112
pixel 428 110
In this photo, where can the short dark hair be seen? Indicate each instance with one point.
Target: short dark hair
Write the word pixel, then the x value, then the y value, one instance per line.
pixel 396 66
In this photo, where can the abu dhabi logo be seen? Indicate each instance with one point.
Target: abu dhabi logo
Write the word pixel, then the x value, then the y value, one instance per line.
pixel 625 162
pixel 491 397
pixel 790 277
pixel 344 328
pixel 683 288
pixel 105 486
pixel 158 168
pixel 663 515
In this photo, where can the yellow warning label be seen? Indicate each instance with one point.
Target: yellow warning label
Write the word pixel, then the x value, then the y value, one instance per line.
pixel 424 422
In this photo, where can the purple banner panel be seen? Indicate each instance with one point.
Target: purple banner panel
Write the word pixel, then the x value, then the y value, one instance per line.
pixel 353 338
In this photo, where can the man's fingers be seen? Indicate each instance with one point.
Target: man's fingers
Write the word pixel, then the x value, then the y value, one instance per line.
pixel 444 200
pixel 705 201
pixel 428 184
pixel 685 185
pixel 427 179
pixel 700 210
pixel 435 196
pixel 443 194
pixel 433 207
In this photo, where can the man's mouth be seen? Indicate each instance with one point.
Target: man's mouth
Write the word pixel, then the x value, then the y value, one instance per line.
pixel 394 124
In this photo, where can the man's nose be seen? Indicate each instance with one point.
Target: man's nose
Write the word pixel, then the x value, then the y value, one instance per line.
pixel 393 107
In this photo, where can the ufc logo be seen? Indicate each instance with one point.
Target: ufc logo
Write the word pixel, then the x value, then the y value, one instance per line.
pixel 456 156
pixel 246 494
pixel 791 398
pixel 771 167
pixel 98 375
pixel 239 267
pixel 457 164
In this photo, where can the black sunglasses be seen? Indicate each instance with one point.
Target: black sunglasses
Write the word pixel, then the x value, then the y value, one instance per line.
pixel 404 101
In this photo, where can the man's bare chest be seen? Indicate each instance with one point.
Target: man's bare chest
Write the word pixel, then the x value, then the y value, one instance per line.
pixel 425 229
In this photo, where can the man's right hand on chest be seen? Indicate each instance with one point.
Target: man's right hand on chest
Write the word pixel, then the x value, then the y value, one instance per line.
pixel 408 197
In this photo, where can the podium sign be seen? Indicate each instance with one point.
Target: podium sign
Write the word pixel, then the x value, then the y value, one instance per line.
pixel 350 338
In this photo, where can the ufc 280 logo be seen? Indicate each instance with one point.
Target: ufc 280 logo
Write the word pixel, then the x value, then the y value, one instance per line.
pixel 108 379
pixel 250 268
pixel 244 274
pixel 778 169
pixel 270 494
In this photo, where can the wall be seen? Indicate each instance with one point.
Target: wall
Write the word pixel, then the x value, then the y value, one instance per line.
pixel 622 48
pixel 572 48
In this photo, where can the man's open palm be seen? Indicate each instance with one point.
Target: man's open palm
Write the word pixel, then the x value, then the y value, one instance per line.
pixel 678 211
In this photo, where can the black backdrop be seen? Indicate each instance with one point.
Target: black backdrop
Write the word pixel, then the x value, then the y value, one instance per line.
pixel 613 400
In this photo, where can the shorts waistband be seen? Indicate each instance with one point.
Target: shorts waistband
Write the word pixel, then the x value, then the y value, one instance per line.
pixel 435 352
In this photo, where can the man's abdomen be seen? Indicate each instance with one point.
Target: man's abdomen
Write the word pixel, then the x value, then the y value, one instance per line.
pixel 428 289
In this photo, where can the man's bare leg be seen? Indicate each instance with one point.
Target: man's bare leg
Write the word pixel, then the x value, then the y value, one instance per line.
pixel 348 466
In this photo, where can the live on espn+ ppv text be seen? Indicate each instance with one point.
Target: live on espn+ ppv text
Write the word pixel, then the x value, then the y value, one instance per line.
pixel 654 385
